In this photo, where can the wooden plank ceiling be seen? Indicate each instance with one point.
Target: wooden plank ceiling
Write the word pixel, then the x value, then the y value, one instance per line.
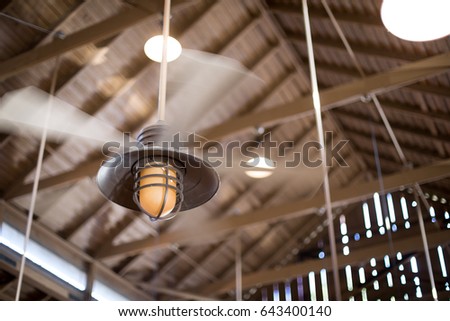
pixel 104 72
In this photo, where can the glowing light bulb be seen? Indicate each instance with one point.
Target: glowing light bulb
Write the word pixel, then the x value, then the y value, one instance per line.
pixel 263 167
pixel 157 198
pixel 416 20
pixel 153 48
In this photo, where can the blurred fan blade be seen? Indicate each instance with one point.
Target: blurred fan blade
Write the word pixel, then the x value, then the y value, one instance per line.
pixel 197 82
pixel 26 111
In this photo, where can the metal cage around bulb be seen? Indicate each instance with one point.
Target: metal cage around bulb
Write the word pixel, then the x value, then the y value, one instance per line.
pixel 196 182
pixel 166 167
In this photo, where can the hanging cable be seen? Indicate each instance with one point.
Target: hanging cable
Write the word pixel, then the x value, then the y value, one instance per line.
pixel 163 67
pixel 238 265
pixel 326 183
pixel 25 23
pixel 425 246
pixel 383 196
pixel 37 177
pixel 390 131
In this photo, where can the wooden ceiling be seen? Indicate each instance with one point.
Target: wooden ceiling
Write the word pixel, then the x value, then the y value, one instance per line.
pixel 377 86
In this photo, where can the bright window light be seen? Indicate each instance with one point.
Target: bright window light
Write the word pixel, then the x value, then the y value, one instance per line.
pixel 442 261
pixel 387 223
pixel 366 215
pixel 343 225
pixel 391 208
pixel 401 267
pixel 348 276
pixel 376 285
pixel 364 294
pixel 49 261
pixel 432 214
pixel 300 290
pixel 101 292
pixel 378 211
pixel 276 292
pixel 44 258
pixel 390 281
pixel 324 282
pixel 404 206
pixel 312 286
pixel 345 239
pixel 346 250
pixel 287 291
pixel 418 292
pixel 416 280
pixel 264 296
pixel 362 275
pixel 399 256
pixel 414 267
pixel 373 262
pixel 387 262
pixel 403 279
pixel 368 234
pixel 407 225
pixel 446 215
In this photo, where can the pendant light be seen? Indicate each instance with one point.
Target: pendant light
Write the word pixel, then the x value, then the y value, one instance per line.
pixel 153 48
pixel 154 177
pixel 416 20
pixel 260 167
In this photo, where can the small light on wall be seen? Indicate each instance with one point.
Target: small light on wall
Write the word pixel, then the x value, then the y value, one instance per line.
pixel 416 20
pixel 153 48
pixel 261 167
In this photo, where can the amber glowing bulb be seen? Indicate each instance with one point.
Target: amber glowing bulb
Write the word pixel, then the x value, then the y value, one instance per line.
pixel 151 198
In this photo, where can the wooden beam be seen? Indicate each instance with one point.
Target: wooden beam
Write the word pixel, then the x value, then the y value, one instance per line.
pixel 362 255
pixel 336 96
pixel 320 13
pixel 332 97
pixel 366 49
pixel 127 17
pixel 347 117
pixel 284 211
pixel 84 170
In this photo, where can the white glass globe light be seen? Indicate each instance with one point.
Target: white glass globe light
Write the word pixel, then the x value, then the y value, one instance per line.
pixel 261 167
pixel 417 20
pixel 153 48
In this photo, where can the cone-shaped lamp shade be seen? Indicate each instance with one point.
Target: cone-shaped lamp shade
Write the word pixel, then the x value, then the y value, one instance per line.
pixel 153 48
pixel 416 20
pixel 158 191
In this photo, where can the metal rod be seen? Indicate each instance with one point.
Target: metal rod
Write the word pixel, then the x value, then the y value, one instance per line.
pixel 36 180
pixel 163 68
pixel 326 183
pixel 425 246
pixel 25 23
pixel 238 259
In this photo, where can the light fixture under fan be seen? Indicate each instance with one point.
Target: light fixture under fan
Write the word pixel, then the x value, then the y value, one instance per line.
pixel 156 178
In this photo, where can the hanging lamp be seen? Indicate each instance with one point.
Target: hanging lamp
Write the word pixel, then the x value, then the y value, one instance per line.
pixel 155 177
pixel 416 20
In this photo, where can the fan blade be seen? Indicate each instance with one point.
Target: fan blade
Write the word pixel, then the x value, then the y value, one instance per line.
pixel 26 111
pixel 196 82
